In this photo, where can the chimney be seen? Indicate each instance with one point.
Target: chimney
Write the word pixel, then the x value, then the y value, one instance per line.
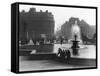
pixel 46 11
pixel 32 10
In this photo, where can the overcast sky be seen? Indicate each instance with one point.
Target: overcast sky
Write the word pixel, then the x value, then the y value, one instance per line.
pixel 62 14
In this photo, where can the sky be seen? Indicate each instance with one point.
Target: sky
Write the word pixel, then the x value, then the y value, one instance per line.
pixel 62 14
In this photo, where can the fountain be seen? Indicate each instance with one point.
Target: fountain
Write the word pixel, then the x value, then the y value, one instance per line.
pixel 75 38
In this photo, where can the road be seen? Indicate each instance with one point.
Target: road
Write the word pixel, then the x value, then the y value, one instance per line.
pixel 33 65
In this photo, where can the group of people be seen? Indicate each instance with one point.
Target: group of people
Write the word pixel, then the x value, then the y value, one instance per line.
pixel 64 53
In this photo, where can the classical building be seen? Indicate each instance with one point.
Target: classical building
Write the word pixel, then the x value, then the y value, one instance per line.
pixel 86 31
pixel 35 25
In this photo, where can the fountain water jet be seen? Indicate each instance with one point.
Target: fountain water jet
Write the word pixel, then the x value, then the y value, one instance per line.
pixel 76 31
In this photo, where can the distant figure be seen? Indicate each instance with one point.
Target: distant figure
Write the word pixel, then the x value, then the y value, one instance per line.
pixel 59 52
pixel 67 52
pixel 61 41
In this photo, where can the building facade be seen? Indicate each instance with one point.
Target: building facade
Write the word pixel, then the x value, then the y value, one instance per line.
pixel 36 25
pixel 86 31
